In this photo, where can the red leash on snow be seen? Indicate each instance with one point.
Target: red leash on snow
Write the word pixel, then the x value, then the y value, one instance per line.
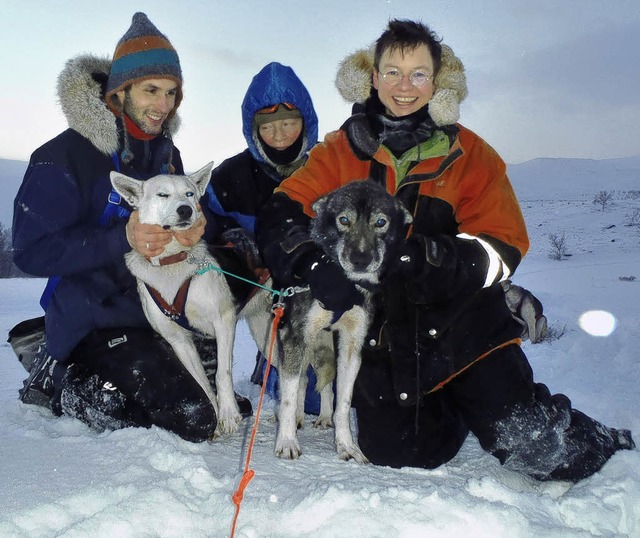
pixel 278 311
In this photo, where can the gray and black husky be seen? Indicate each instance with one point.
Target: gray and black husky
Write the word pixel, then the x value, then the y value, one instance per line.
pixel 358 226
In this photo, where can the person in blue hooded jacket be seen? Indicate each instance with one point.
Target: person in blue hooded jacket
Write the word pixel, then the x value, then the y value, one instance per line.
pixel 280 126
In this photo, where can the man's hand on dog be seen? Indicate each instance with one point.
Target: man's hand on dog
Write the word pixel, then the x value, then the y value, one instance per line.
pixel 150 239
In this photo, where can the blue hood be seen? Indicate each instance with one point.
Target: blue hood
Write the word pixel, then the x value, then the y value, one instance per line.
pixel 277 83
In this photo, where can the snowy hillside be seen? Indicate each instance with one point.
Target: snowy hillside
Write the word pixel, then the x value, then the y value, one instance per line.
pixel 58 478
pixel 573 179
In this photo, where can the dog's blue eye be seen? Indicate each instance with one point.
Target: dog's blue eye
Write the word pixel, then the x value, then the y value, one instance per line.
pixel 344 221
pixel 190 194
pixel 380 222
pixel 163 195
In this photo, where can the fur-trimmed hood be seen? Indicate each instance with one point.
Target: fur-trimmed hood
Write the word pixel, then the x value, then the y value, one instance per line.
pixel 80 94
pixel 355 72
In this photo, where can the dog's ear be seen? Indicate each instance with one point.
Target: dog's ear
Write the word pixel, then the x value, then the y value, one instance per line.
pixel 320 204
pixel 201 178
pixel 127 187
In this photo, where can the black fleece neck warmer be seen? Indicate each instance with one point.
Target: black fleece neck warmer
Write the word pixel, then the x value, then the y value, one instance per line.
pixel 284 156
pixel 398 134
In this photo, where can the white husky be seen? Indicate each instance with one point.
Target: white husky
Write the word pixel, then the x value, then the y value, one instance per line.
pixel 176 299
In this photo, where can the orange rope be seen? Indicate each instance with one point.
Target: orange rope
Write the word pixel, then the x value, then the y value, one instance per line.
pixel 517 340
pixel 249 473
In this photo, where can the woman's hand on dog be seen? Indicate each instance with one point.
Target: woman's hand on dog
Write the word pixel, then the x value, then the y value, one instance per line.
pixel 328 283
pixel 416 256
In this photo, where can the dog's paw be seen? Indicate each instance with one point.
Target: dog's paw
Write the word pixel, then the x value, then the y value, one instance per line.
pixel 228 423
pixel 229 416
pixel 288 449
pixel 350 451
pixel 323 423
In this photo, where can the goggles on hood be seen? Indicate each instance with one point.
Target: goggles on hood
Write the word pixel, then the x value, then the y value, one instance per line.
pixel 271 109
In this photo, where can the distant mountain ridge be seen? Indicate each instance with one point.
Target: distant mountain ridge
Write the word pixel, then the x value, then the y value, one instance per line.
pixel 560 178
pixel 538 179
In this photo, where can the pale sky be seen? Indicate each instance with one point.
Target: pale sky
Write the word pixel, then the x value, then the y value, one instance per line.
pixel 547 78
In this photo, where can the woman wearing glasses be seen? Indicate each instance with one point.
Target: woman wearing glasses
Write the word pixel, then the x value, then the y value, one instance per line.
pixel 443 355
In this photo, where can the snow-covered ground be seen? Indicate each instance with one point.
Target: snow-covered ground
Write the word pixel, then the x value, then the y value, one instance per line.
pixel 59 478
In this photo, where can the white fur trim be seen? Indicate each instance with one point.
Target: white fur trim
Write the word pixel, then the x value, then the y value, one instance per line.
pixel 80 98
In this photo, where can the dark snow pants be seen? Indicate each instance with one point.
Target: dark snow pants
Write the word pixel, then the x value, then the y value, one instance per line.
pixel 518 421
pixel 125 377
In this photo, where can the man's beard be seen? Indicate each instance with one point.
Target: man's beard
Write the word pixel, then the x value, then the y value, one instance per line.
pixel 136 115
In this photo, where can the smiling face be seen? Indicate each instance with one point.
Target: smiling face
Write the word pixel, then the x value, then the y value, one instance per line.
pixel 148 103
pixel 403 98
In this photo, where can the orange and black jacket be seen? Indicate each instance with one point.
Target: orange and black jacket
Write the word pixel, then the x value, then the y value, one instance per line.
pixel 461 197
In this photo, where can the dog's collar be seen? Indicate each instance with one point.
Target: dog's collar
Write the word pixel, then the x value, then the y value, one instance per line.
pixel 169 260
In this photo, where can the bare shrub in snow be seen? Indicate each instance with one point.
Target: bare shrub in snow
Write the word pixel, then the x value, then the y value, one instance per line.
pixel 602 199
pixel 557 246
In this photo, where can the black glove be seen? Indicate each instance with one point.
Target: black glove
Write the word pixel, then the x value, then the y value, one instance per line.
pixel 417 255
pixel 328 283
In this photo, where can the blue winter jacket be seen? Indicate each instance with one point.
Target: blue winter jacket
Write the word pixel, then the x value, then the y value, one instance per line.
pixel 57 212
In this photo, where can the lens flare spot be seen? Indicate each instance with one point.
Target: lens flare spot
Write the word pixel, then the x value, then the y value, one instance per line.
pixel 598 322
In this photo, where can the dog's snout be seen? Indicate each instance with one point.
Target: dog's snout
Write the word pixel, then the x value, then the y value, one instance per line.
pixel 360 259
pixel 184 211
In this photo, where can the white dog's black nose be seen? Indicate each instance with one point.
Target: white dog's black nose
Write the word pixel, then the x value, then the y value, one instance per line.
pixel 184 211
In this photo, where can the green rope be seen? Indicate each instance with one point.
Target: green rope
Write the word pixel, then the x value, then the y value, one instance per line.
pixel 209 267
pixel 286 292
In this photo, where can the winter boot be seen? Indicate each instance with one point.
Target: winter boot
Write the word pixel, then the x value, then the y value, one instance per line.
pixel 26 339
pixel 622 439
pixel 38 388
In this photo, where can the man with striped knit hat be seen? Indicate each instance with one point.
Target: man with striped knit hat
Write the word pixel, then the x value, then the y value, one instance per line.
pixel 100 361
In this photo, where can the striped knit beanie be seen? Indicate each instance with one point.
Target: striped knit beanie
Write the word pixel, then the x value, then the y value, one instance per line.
pixel 142 53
